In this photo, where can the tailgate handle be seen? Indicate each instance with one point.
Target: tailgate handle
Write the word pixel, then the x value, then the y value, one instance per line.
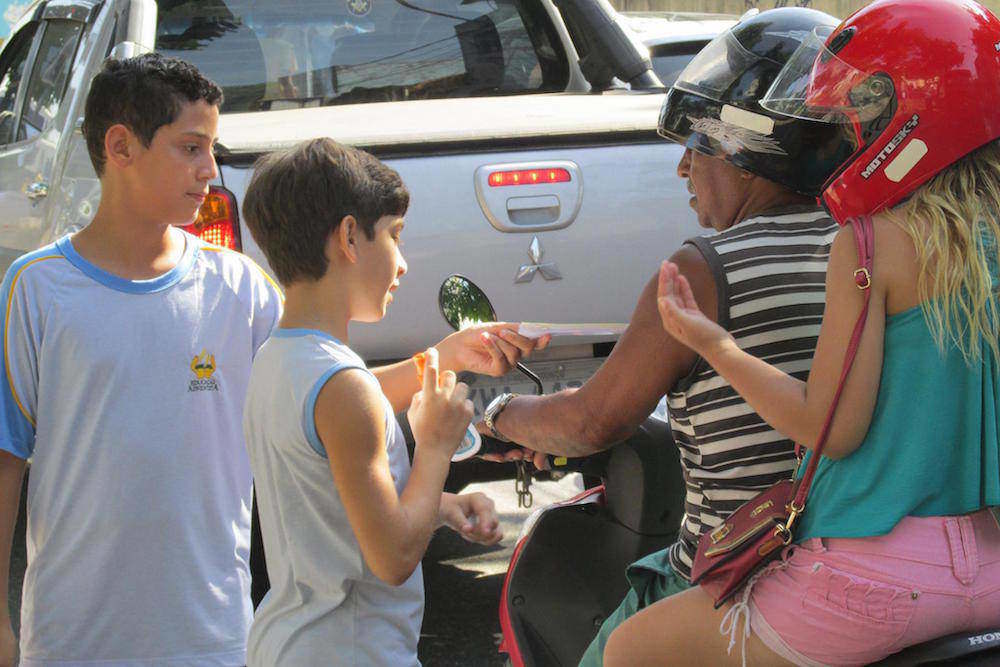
pixel 533 210
pixel 536 207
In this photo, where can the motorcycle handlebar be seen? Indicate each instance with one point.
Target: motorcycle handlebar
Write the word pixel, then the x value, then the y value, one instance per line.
pixel 590 465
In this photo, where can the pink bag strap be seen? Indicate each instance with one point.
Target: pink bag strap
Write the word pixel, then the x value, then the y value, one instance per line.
pixel 864 236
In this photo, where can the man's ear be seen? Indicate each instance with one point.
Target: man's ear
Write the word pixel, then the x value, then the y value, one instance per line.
pixel 121 146
pixel 345 239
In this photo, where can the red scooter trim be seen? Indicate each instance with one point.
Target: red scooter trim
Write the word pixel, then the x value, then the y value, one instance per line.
pixel 508 643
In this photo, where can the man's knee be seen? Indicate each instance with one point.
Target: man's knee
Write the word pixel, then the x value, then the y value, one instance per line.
pixel 616 651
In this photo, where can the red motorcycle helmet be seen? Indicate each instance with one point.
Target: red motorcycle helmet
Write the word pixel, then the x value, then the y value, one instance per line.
pixel 914 85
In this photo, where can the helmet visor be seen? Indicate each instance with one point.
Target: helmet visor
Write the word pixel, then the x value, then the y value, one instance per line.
pixel 817 85
pixel 716 67
pixel 716 129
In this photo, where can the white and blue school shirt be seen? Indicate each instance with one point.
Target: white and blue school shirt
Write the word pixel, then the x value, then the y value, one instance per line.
pixel 325 606
pixel 128 398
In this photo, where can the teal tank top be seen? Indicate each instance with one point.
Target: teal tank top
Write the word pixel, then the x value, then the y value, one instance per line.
pixel 932 448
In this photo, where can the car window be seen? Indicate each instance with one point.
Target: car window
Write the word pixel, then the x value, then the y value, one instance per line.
pixel 669 60
pixel 49 75
pixel 12 66
pixel 281 53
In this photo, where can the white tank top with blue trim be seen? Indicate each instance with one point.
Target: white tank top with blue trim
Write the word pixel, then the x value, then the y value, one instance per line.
pixel 325 606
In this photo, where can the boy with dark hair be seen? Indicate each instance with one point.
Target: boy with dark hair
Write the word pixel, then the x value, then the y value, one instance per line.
pixel 345 520
pixel 127 351
pixel 144 94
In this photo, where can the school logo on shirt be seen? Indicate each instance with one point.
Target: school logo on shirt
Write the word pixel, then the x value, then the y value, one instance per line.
pixel 359 7
pixel 203 367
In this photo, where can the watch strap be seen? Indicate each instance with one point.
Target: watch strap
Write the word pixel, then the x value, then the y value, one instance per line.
pixel 491 416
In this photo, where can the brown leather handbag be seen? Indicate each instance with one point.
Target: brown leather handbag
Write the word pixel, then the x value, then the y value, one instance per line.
pixel 754 534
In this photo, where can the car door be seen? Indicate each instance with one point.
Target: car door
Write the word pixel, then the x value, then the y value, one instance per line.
pixel 35 66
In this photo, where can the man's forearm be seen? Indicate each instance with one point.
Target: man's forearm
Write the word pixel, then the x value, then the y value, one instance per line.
pixel 11 476
pixel 558 424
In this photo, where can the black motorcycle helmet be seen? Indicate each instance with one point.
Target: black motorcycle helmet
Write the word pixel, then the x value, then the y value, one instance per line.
pixel 714 108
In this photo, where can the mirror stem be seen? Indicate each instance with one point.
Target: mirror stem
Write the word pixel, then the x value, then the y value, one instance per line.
pixel 534 378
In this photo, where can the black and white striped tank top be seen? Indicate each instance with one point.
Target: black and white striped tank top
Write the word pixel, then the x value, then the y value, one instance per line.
pixel 770 274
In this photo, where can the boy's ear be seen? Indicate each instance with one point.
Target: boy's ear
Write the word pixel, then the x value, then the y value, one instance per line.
pixel 345 239
pixel 120 145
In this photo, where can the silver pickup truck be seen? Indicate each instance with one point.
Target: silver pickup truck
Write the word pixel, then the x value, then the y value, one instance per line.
pixel 451 93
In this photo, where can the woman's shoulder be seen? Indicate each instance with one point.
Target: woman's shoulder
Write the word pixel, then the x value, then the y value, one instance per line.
pixel 896 265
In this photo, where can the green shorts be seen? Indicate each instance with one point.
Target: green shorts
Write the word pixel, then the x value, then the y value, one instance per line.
pixel 650 579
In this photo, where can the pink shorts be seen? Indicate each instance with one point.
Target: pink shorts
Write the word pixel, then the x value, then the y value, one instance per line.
pixel 852 601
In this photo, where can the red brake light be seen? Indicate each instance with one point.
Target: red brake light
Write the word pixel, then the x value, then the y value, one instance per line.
pixel 217 222
pixel 528 177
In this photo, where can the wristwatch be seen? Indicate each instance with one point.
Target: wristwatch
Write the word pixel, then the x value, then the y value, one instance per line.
pixel 493 411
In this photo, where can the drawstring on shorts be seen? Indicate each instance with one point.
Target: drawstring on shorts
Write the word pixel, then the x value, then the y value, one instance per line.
pixel 730 622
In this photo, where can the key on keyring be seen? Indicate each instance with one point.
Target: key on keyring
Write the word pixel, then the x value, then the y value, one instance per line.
pixel 522 484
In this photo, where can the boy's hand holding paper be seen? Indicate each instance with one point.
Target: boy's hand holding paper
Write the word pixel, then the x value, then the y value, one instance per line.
pixel 491 348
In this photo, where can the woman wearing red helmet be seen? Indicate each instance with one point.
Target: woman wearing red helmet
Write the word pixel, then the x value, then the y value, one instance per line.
pixel 898 544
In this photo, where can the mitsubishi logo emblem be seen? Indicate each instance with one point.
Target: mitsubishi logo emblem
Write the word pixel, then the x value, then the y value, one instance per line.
pixel 549 270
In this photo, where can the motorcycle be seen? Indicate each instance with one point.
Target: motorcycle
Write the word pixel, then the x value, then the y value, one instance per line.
pixel 566 574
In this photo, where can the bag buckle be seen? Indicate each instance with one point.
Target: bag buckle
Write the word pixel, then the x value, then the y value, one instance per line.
pixel 793 514
pixel 862 278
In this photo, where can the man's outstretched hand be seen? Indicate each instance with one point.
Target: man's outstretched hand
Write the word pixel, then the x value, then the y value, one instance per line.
pixel 539 459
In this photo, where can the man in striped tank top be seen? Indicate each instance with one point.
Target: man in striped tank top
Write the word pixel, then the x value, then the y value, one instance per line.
pixel 761 275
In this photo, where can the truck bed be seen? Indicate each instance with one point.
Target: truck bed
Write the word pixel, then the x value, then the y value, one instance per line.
pixel 475 123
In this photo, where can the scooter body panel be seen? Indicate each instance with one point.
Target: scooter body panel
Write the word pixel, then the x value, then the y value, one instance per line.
pixel 568 571
pixel 568 576
pixel 966 648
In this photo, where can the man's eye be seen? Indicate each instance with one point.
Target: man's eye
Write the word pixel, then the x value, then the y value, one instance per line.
pixel 191 149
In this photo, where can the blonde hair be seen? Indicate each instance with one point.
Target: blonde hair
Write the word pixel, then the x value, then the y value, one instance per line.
pixel 953 222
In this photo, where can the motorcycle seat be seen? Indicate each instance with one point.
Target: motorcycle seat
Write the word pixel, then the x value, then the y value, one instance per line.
pixel 964 648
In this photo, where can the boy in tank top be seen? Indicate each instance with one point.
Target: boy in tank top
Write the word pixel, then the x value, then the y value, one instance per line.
pixel 345 519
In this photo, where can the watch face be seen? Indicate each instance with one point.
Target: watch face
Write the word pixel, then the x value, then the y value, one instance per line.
pixel 493 404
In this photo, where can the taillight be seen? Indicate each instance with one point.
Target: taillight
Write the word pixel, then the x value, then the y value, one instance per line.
pixel 529 177
pixel 217 222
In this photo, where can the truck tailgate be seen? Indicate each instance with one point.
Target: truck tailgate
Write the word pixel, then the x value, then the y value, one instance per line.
pixel 633 208
pixel 634 212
